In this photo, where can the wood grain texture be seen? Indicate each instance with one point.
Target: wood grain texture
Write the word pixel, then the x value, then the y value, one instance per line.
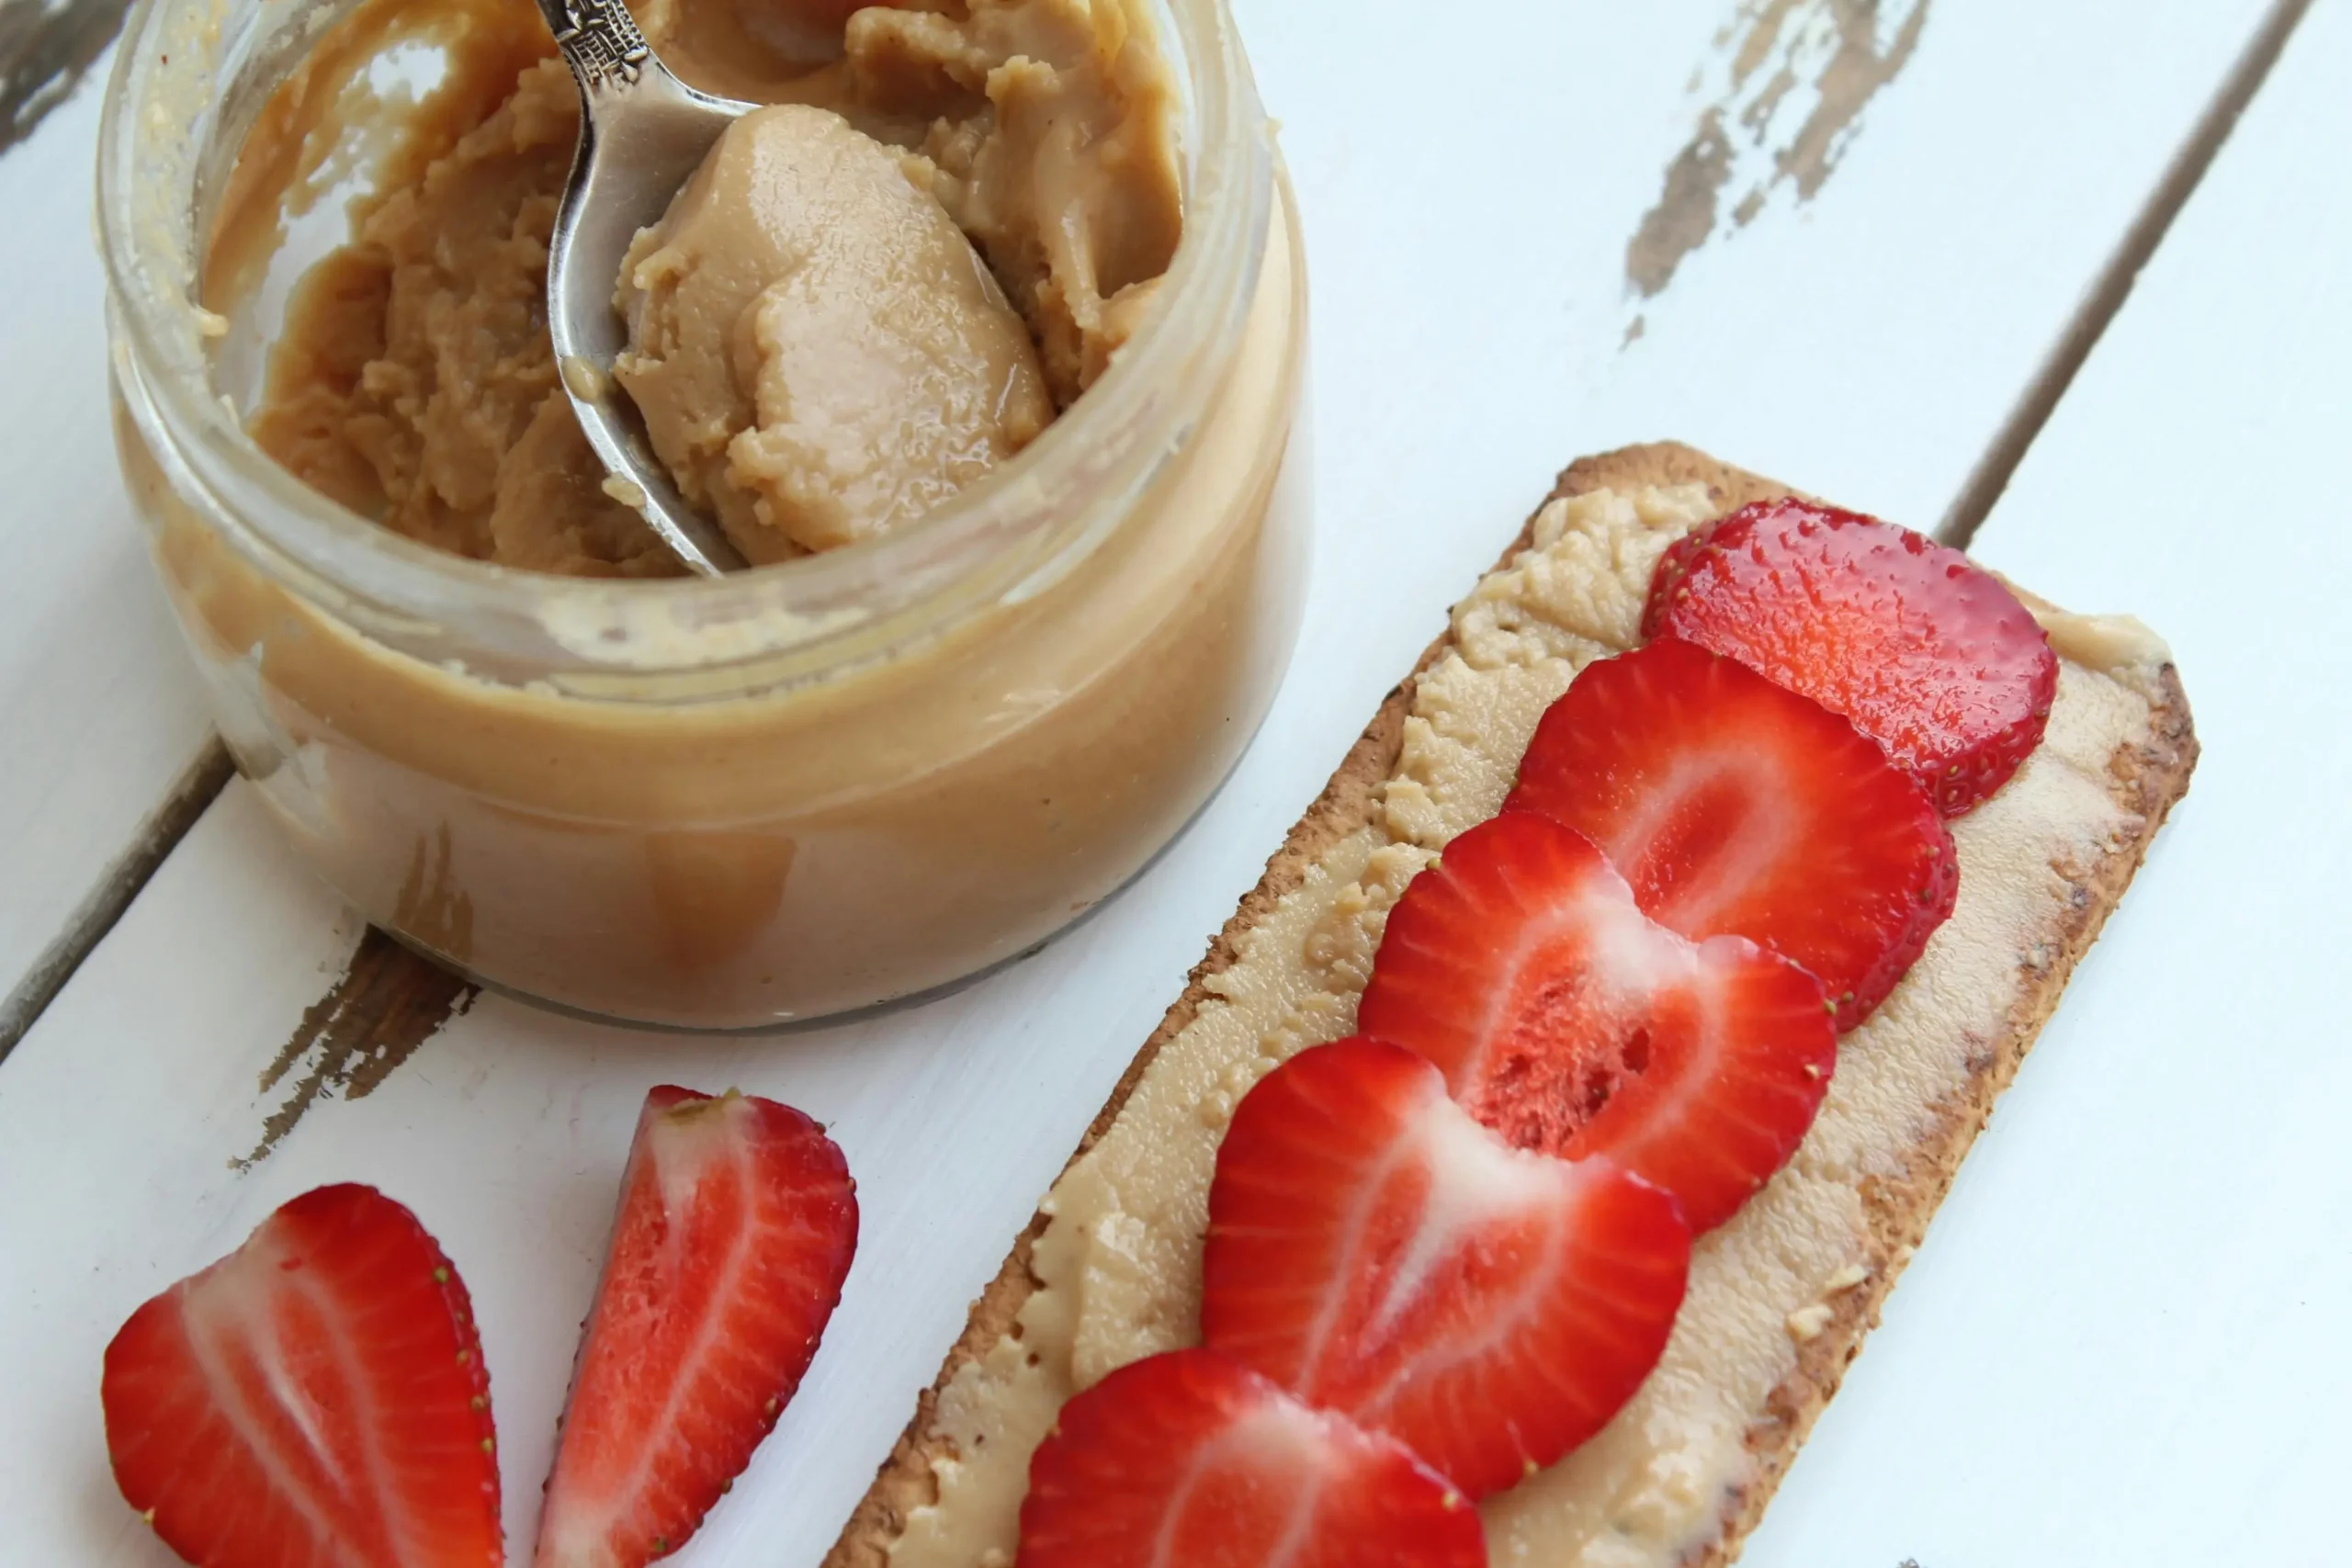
pixel 388 1002
pixel 87 924
pixel 1874 335
pixel 1784 102
pixel 46 51
pixel 2107 296
pixel 2125 1342
pixel 105 719
pixel 1470 313
pixel 2147 779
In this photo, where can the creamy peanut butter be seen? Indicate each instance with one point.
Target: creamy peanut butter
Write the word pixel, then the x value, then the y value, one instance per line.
pixel 1119 1261
pixel 818 352
pixel 2122 645
pixel 799 791
pixel 818 357
pixel 744 849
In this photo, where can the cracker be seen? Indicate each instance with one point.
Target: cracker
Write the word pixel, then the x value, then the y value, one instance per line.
pixel 2145 779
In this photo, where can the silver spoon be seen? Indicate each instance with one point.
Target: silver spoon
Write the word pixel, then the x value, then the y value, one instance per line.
pixel 642 132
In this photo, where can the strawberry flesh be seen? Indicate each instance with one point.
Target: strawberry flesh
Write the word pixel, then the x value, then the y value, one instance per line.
pixel 1736 807
pixel 736 1227
pixel 1573 1024
pixel 1191 1458
pixel 1375 1251
pixel 1927 653
pixel 316 1397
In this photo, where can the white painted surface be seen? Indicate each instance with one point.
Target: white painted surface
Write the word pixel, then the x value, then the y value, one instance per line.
pixel 101 713
pixel 1467 202
pixel 2125 1341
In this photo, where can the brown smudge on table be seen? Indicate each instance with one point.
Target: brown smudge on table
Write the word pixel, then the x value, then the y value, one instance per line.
pixel 1685 213
pixel 45 52
pixel 1844 52
pixel 389 1002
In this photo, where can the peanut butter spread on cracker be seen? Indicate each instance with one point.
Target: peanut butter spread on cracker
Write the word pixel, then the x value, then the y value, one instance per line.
pixel 1118 1264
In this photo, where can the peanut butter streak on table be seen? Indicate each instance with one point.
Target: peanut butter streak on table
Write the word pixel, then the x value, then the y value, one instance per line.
pixel 389 1002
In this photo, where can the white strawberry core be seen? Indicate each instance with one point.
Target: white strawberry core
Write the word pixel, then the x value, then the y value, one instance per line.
pixel 244 1310
pixel 685 1146
pixel 1285 1445
pixel 1630 955
pixel 1588 968
pixel 1726 780
pixel 1474 1180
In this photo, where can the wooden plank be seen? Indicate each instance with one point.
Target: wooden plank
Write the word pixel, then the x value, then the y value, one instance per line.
pixel 103 717
pixel 2125 1344
pixel 1535 151
pixel 1471 204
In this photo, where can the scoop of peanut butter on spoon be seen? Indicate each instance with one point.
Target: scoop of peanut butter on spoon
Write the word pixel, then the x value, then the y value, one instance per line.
pixel 813 352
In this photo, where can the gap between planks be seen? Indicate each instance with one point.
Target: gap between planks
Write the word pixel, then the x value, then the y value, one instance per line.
pixel 2113 285
pixel 198 786
pixel 210 772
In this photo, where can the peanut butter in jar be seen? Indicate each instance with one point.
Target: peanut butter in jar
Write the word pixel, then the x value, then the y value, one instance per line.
pixel 897 751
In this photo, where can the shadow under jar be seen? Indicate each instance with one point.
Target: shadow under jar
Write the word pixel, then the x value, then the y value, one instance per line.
pixel 785 794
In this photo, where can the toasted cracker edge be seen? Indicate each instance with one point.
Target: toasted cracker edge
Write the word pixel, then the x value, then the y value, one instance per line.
pixel 2147 780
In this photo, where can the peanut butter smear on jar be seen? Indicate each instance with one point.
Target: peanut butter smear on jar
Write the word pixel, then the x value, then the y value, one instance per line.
pixel 858 307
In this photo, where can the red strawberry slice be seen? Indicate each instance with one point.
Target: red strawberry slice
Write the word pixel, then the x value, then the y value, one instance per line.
pixel 1572 1024
pixel 1191 1460
pixel 1736 807
pixel 1927 652
pixel 737 1222
pixel 1375 1251
pixel 316 1397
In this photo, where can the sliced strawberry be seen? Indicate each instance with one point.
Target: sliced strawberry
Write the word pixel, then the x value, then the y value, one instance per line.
pixel 1572 1024
pixel 1375 1251
pixel 1736 807
pixel 316 1397
pixel 737 1222
pixel 1926 651
pixel 1191 1460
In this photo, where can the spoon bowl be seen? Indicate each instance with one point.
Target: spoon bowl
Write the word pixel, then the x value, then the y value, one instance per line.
pixel 642 134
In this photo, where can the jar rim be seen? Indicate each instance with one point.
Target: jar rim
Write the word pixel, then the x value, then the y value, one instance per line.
pixel 1001 540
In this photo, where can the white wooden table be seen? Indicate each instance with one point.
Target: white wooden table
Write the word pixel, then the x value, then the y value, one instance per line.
pixel 2123 1343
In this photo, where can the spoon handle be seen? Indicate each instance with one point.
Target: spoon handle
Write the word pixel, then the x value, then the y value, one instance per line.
pixel 600 41
pixel 642 134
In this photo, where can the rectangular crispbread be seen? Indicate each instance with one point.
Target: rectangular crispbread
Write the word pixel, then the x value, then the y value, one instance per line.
pixel 2146 778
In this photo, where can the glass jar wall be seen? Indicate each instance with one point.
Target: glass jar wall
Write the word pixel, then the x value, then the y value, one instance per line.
pixel 781 795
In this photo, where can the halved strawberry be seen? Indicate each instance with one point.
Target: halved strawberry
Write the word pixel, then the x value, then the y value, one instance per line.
pixel 1377 1252
pixel 1736 807
pixel 737 1222
pixel 316 1397
pixel 1189 1460
pixel 1570 1022
pixel 1927 652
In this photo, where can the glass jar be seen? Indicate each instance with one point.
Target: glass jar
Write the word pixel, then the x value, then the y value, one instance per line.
pixel 778 795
